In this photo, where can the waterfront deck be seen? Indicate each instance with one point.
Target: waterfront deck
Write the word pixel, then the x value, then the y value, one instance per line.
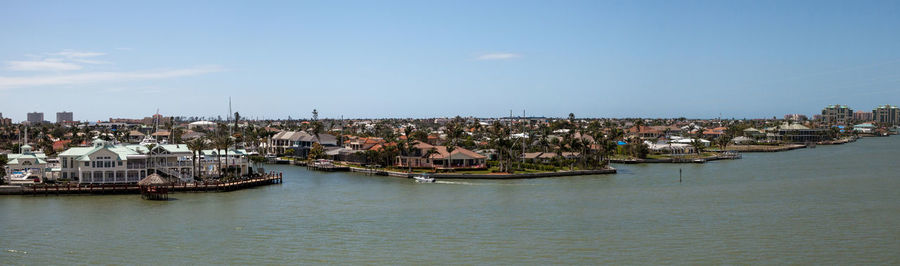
pixel 61 189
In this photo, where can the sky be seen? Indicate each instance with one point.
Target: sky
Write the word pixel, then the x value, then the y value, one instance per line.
pixel 375 59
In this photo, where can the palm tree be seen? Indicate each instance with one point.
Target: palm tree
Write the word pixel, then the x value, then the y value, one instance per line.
pixel 544 140
pixel 500 141
pixel 218 142
pixel 429 153
pixel 450 149
pixel 169 126
pixel 317 129
pixel 150 155
pixel 723 141
pixel 406 146
pixel 227 141
pixel 196 146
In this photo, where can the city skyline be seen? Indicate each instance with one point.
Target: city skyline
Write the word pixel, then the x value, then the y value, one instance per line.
pixel 406 59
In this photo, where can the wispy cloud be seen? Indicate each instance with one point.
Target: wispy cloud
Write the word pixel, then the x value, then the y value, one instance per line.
pixel 41 65
pixel 92 62
pixel 498 56
pixel 103 77
pixel 60 61
pixel 77 54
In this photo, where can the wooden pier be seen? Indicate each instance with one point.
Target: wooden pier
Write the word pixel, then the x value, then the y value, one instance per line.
pixel 213 186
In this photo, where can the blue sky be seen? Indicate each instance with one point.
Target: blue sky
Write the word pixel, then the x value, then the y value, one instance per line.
pixel 703 59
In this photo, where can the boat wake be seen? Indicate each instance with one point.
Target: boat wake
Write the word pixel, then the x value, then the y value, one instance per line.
pixel 478 184
pixel 459 183
pixel 16 251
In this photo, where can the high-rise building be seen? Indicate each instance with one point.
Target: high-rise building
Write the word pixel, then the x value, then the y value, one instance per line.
pixel 63 117
pixel 35 118
pixel 887 114
pixel 837 114
pixel 861 116
pixel 5 121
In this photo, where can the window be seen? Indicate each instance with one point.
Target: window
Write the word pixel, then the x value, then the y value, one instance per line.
pixel 86 164
pixel 120 163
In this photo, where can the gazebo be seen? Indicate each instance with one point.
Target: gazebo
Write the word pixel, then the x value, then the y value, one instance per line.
pixel 154 187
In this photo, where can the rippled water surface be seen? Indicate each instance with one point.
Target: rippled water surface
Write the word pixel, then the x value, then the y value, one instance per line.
pixel 828 205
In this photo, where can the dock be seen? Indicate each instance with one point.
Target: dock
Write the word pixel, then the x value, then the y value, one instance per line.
pixel 210 186
pixel 326 166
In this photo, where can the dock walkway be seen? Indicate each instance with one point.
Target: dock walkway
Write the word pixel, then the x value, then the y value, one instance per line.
pixel 60 189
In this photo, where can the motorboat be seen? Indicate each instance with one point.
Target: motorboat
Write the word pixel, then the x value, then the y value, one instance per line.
pixel 24 177
pixel 423 179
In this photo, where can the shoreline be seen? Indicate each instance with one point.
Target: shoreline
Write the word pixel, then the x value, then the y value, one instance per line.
pixel 608 170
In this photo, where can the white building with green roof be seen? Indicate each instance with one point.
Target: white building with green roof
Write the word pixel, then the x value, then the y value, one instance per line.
pixel 102 163
pixel 27 166
pixel 105 163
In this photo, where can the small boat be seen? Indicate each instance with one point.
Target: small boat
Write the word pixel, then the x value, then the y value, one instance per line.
pixel 423 179
pixel 24 177
pixel 699 161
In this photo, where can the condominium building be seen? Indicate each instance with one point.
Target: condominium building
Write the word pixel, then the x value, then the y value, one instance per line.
pixel 5 121
pixel 887 114
pixel 35 118
pixel 863 116
pixel 837 114
pixel 64 117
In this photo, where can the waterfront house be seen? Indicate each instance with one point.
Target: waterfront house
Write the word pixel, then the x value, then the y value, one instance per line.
pixel 669 147
pixel 754 133
pixel 105 162
pixel 28 163
pixel 865 128
pixel 461 158
pixel 548 157
pixel 644 132
pixel 714 133
pixel 236 161
pixel 689 141
pixel 362 144
pixel 299 141
pixel 135 136
pixel 743 140
pixel 102 163
pixel 795 133
pixel 162 135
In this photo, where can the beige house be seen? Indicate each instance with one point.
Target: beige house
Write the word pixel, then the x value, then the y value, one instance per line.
pixel 439 157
